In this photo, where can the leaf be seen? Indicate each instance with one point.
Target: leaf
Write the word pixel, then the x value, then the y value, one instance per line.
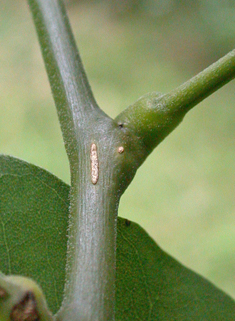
pixel 33 223
pixel 150 284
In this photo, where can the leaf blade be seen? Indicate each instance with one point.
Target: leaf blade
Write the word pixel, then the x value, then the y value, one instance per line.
pixel 166 290
pixel 33 226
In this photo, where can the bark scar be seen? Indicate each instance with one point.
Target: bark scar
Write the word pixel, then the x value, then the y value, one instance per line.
pixel 94 164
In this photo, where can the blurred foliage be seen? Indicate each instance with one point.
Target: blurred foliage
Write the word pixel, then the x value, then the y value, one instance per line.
pixel 184 194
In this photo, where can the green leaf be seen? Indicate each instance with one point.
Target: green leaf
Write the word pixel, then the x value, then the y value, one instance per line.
pixel 150 284
pixel 33 223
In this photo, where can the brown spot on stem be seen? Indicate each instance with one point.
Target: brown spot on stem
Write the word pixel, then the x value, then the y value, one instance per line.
pixel 26 310
pixel 127 222
pixel 120 149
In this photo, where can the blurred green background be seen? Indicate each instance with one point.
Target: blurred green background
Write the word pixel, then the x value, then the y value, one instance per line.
pixel 184 194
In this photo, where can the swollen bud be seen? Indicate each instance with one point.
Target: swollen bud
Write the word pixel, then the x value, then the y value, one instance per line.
pixel 21 299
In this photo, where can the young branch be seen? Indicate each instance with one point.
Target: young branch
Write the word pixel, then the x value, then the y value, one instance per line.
pixel 71 91
pixel 98 178
pixel 154 116
pixel 104 155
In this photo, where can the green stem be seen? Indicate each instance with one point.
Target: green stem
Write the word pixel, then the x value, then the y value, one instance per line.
pixel 71 91
pixel 90 276
pixel 154 116
pixel 119 148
